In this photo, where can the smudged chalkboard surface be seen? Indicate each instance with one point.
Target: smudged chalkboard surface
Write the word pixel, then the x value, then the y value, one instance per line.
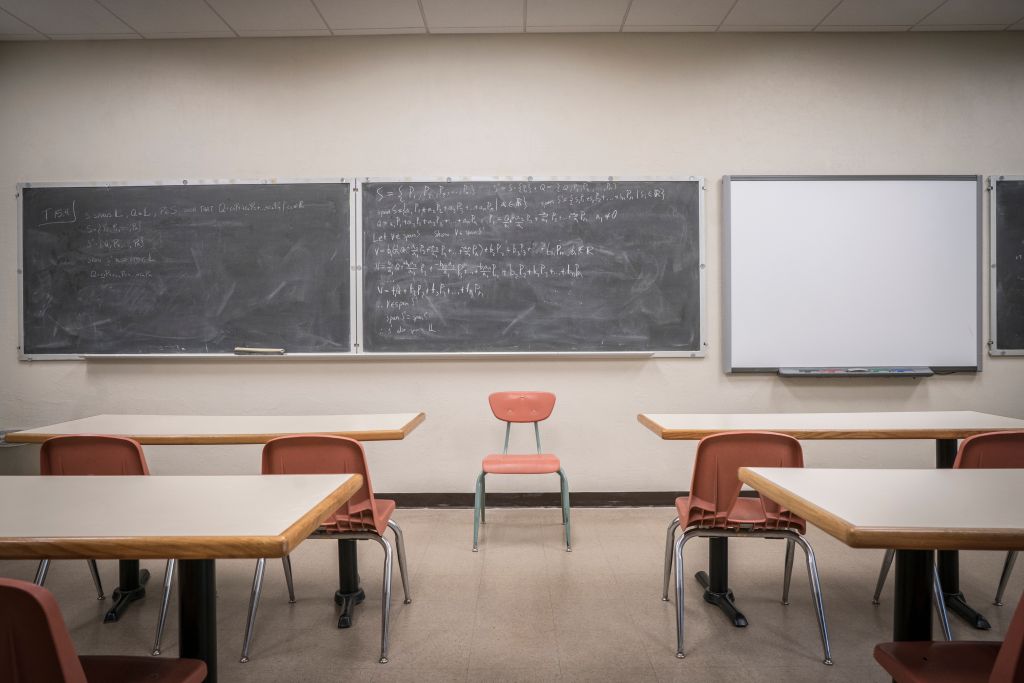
pixel 531 266
pixel 1009 276
pixel 165 269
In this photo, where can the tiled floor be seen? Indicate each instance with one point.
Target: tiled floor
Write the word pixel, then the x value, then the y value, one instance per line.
pixel 523 609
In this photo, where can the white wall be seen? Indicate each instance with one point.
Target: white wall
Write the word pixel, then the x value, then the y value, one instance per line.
pixel 546 105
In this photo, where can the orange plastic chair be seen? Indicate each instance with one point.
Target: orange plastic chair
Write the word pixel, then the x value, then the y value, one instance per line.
pixel 520 406
pixel 363 517
pixel 714 508
pixel 958 661
pixel 98 455
pixel 992 450
pixel 35 646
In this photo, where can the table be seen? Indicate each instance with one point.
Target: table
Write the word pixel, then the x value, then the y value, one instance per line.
pixel 194 519
pixel 233 429
pixel 943 426
pixel 913 511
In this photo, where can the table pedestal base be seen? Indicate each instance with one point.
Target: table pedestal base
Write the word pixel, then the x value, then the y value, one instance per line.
pixel 131 587
pixel 349 594
pixel 716 581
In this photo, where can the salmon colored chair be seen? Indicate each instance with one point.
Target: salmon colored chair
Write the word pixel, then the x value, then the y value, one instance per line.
pixel 362 517
pixel 520 406
pixel 958 661
pixel 714 508
pixel 992 450
pixel 97 455
pixel 35 647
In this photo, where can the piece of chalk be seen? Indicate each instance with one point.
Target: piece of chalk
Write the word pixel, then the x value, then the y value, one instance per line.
pixel 253 350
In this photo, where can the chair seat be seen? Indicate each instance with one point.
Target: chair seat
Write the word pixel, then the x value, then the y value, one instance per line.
pixel 340 523
pixel 536 463
pixel 104 669
pixel 747 513
pixel 927 662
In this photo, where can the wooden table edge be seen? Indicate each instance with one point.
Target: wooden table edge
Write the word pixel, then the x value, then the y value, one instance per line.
pixel 883 537
pixel 29 436
pixel 694 434
pixel 182 547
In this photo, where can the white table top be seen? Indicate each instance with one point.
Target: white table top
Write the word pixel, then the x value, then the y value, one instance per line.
pixel 224 429
pixel 168 516
pixel 889 508
pixel 945 424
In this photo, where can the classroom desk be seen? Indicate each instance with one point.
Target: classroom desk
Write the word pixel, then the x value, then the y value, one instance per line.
pixel 913 511
pixel 233 429
pixel 943 426
pixel 195 519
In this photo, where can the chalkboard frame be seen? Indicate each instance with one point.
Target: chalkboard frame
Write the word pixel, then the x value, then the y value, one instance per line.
pixel 701 352
pixel 993 280
pixel 727 333
pixel 352 228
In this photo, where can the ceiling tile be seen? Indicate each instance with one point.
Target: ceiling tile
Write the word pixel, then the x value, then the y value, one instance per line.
pixel 677 12
pixel 476 29
pixel 489 14
pixel 572 29
pixel 283 33
pixel 670 29
pixel 269 17
pixel 226 33
pixel 67 17
pixel 842 28
pixel 376 31
pixel 959 27
pixel 167 16
pixel 12 27
pixel 976 12
pixel 578 13
pixel 778 13
pixel 375 14
pixel 96 36
pixel 880 12
pixel 773 28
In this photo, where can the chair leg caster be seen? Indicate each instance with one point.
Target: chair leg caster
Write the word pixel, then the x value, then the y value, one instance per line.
pixel 828 662
pixel 243 660
pixel 680 655
pixel 475 549
pixel 568 548
pixel 997 603
pixel 155 653
pixel 785 602
pixel 875 602
pixel 383 660
pixel 407 601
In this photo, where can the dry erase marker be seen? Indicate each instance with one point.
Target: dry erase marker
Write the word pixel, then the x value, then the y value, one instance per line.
pixel 254 351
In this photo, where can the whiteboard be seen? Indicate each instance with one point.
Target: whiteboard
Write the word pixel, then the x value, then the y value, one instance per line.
pixel 852 271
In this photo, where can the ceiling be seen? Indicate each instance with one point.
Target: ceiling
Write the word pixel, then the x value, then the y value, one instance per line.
pixel 141 19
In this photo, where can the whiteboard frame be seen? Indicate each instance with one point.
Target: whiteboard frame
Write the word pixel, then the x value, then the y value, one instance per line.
pixel 993 227
pixel 701 352
pixel 19 196
pixel 727 180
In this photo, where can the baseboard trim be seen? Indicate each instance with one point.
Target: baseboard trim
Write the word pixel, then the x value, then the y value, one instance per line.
pixel 585 499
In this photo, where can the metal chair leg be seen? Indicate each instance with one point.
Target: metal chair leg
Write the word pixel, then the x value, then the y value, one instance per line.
pixel 385 616
pixel 41 571
pixel 287 562
pixel 788 575
pixel 565 510
pixel 884 572
pixel 483 498
pixel 95 571
pixel 165 599
pixel 940 603
pixel 254 601
pixel 819 607
pixel 477 509
pixel 1011 557
pixel 678 553
pixel 402 568
pixel 669 538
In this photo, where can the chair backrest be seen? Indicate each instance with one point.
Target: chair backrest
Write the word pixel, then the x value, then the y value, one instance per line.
pixel 1009 665
pixel 34 641
pixel 993 450
pixel 92 454
pixel 522 406
pixel 715 488
pixel 326 454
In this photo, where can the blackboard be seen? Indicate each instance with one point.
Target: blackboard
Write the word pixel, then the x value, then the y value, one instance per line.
pixel 1008 265
pixel 185 268
pixel 532 266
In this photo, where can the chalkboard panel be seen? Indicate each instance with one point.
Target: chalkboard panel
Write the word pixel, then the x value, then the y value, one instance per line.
pixel 185 268
pixel 1008 259
pixel 532 266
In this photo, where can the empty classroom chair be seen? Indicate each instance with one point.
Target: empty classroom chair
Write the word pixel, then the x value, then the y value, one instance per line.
pixel 527 407
pixel 714 508
pixel 35 647
pixel 363 517
pixel 958 661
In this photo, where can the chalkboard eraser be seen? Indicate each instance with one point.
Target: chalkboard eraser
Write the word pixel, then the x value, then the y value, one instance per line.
pixel 254 351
